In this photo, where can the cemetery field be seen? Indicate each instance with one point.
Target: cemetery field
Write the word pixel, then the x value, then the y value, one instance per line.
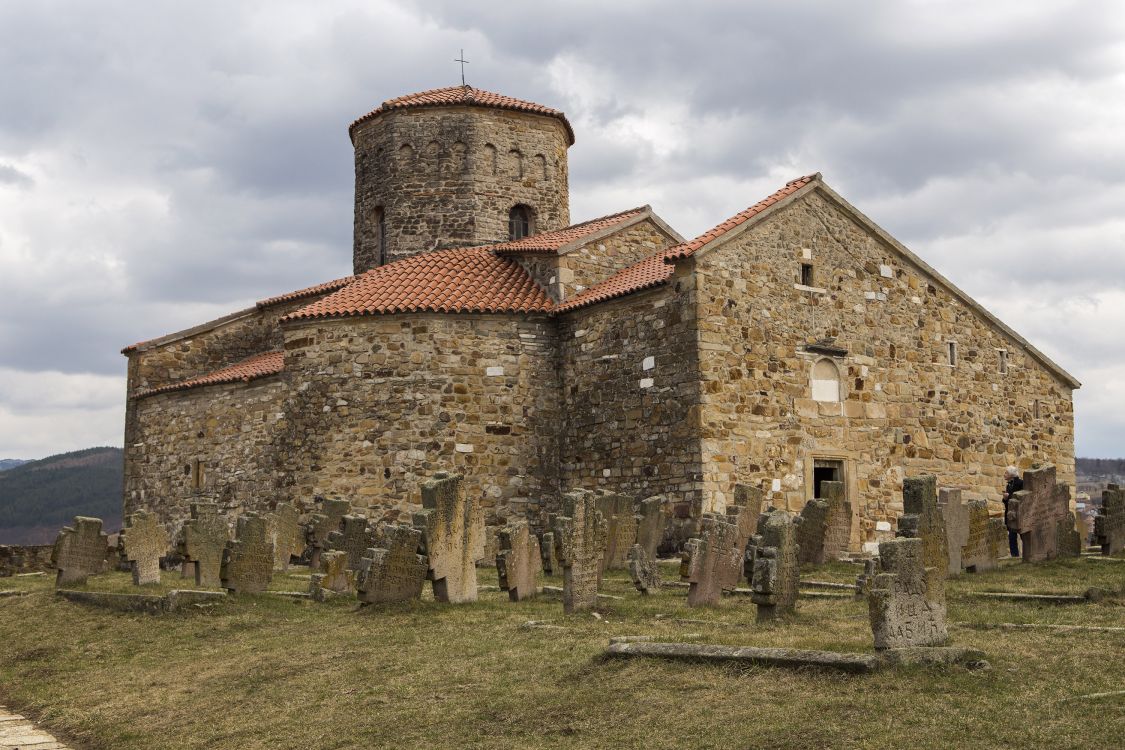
pixel 261 671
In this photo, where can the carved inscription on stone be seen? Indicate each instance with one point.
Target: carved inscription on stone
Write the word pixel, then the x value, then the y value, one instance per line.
pixel 394 572
pixel 452 529
pixel 906 603
pixel 248 560
pixel 1035 512
pixel 651 520
pixel 353 539
pixel 643 570
pixel 142 543
pixel 322 523
pixel 621 529
pixel 981 550
pixel 580 539
pixel 922 519
pixel 826 525
pixel 773 564
pixel 203 539
pixel 288 536
pixel 334 577
pixel 955 513
pixel 1109 524
pixel 706 559
pixel 79 551
pixel 518 561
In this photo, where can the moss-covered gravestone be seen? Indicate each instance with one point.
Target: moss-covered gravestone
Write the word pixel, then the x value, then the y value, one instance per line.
pixel 652 517
pixel 248 560
pixel 203 540
pixel 288 536
pixel 906 602
pixel 773 564
pixel 353 539
pixel 743 514
pixel 79 551
pixel 518 562
pixel 955 513
pixel 706 560
pixel 333 577
pixel 394 571
pixel 826 525
pixel 1069 539
pixel 644 570
pixel 1109 524
pixel 922 519
pixel 1036 511
pixel 985 538
pixel 142 543
pixel 323 522
pixel 452 527
pixel 580 537
pixel 621 529
pixel 547 551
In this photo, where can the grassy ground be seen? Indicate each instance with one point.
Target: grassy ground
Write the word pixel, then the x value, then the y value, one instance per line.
pixel 266 672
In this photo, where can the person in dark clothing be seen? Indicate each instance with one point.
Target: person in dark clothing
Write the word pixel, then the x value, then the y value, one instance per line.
pixel 1014 485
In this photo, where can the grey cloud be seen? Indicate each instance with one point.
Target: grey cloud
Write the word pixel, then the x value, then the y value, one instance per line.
pixel 9 175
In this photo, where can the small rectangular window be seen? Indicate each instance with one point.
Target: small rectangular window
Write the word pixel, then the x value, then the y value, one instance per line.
pixel 806 274
pixel 1003 362
pixel 952 353
pixel 1037 408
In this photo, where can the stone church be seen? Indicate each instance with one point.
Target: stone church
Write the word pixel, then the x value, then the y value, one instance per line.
pixel 485 333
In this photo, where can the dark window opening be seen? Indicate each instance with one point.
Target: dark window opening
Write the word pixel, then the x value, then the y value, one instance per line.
pixel 519 222
pixel 381 235
pixel 826 471
pixel 952 353
pixel 806 274
pixel 1003 362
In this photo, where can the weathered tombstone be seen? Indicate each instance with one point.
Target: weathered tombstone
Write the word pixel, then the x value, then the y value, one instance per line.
pixel 547 551
pixel 743 513
pixel 79 551
pixel 1070 541
pixel 773 564
pixel 142 543
pixel 580 534
pixel 651 520
pixel 1109 524
pixel 621 529
pixel 981 550
pixel 826 525
pixel 643 570
pixel 1035 512
pixel 491 547
pixel 864 580
pixel 202 540
pixel 706 559
pixel 955 513
pixel 518 562
pixel 248 560
pixel 333 576
pixel 353 539
pixel 323 523
pixel 288 536
pixel 394 572
pixel 922 519
pixel 906 602
pixel 452 529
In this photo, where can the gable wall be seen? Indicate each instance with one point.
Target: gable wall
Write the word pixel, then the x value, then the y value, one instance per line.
pixel 598 260
pixel 905 411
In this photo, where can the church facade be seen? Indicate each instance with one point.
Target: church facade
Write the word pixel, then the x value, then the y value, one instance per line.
pixel 483 333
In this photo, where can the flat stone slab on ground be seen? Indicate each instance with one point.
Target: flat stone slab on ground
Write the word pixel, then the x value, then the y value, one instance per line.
pixel 12 592
pixel 148 603
pixel 1019 596
pixel 774 657
pixel 1039 626
pixel 17 732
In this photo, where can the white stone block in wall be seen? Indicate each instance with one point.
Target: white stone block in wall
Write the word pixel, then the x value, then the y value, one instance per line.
pixel 646 382
pixel 606 472
pixel 806 253
pixel 464 447
pixel 775 486
pixel 580 333
pixel 869 295
pixel 882 525
pixel 886 271
pixel 881 297
pixel 493 371
pixel 648 363
pixel 871 548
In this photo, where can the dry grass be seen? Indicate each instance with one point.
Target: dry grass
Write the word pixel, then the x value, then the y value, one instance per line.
pixel 265 672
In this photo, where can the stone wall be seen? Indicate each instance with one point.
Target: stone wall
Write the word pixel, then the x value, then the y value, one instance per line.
pixel 599 259
pixel 631 395
pixel 904 411
pixel 16 559
pixel 448 176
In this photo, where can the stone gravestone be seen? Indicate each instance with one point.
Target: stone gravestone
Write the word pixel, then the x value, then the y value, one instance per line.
pixel 1035 512
pixel 580 537
pixel 826 525
pixel 142 543
pixel 353 539
pixel 248 560
pixel 323 523
pixel 288 536
pixel 906 603
pixel 395 571
pixel 202 540
pixel 985 538
pixel 955 513
pixel 452 529
pixel 743 513
pixel 651 520
pixel 773 564
pixel 334 576
pixel 643 570
pixel 518 561
pixel 1109 524
pixel 706 559
pixel 79 551
pixel 621 529
pixel 922 519
pixel 547 551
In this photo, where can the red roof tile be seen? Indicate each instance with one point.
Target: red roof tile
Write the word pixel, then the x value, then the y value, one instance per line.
pixel 689 248
pixel 650 272
pixel 463 96
pixel 553 241
pixel 248 369
pixel 470 279
pixel 310 291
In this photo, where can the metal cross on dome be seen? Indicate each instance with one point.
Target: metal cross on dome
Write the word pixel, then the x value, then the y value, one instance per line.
pixel 463 61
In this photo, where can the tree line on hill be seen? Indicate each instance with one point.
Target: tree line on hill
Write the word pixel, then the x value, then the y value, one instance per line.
pixel 1098 467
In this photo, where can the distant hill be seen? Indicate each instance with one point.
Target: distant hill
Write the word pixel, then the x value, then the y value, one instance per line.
pixel 1096 467
pixel 10 463
pixel 37 498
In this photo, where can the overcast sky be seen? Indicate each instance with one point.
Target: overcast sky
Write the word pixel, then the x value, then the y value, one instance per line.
pixel 162 164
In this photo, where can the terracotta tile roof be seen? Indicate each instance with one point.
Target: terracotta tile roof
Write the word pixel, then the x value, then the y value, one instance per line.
pixel 553 241
pixel 248 369
pixel 650 272
pixel 689 248
pixel 310 291
pixel 469 279
pixel 464 96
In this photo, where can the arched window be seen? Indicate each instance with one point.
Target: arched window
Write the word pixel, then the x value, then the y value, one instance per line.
pixel 520 222
pixel 825 381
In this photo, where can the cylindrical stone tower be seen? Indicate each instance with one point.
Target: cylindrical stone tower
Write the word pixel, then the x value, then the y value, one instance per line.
pixel 456 167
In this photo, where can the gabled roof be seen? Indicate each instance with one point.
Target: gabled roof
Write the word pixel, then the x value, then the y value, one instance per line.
pixel 251 368
pixel 559 241
pixel 465 96
pixel 470 279
pixel 652 271
pixel 309 291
